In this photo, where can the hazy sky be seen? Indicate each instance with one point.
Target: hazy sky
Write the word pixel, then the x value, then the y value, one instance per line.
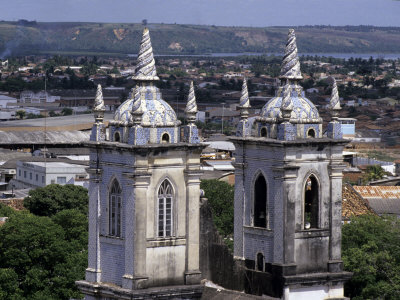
pixel 211 12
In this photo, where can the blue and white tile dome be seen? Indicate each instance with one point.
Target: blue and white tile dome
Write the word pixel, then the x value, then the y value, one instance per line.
pixel 304 111
pixel 156 112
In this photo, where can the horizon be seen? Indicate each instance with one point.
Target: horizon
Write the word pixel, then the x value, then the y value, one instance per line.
pixel 240 13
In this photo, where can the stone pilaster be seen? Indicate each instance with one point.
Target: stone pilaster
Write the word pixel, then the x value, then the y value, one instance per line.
pixel 192 272
pixel 93 272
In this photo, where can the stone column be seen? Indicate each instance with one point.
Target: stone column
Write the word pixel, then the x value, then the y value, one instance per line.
pixel 140 185
pixel 336 175
pixel 93 272
pixel 192 273
pixel 239 201
pixel 129 218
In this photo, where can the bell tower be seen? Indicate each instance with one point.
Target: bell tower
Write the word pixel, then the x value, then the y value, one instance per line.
pixel 288 185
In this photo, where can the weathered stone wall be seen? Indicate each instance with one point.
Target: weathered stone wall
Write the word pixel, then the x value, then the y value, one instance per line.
pixel 216 260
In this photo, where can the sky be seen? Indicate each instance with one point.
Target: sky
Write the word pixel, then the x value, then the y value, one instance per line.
pixel 256 13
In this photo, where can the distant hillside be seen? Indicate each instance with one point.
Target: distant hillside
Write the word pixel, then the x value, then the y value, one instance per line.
pixel 102 38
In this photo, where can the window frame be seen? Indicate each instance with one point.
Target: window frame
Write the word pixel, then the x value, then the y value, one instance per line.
pixel 165 210
pixel 256 178
pixel 315 214
pixel 115 210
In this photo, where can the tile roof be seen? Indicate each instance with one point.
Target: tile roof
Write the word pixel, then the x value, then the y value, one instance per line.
pixel 352 204
pixel 382 199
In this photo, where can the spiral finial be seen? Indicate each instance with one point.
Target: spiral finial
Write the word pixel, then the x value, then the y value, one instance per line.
pixel 335 102
pixel 145 67
pixel 99 101
pixel 244 97
pixel 137 105
pixel 287 103
pixel 191 105
pixel 290 65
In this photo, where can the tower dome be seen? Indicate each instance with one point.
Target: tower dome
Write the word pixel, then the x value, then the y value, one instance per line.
pixel 304 111
pixel 156 111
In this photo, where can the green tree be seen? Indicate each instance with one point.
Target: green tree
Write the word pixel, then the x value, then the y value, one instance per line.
pixel 20 113
pixel 49 200
pixel 9 288
pixel 374 172
pixel 220 196
pixel 66 111
pixel 371 250
pixel 39 254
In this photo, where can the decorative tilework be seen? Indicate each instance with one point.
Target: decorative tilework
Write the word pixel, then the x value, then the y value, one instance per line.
pixel 334 130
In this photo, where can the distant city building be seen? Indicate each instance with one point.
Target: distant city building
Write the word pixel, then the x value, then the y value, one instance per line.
pixel 40 174
pixel 37 98
pixel 348 127
pixel 6 100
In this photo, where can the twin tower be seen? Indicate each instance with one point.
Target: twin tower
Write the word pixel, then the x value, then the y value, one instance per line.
pixel 144 194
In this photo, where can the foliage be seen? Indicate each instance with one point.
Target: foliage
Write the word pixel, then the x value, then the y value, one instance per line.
pixel 42 259
pixel 374 172
pixel 49 200
pixel 66 111
pixel 371 250
pixel 20 113
pixel 220 196
pixel 6 211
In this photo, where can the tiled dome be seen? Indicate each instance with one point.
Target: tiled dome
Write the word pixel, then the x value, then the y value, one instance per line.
pixel 156 112
pixel 303 111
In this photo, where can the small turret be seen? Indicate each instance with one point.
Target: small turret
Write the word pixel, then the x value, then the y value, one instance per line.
pixel 334 129
pixel 190 131
pixel 286 130
pixel 137 106
pixel 191 106
pixel 98 129
pixel 243 128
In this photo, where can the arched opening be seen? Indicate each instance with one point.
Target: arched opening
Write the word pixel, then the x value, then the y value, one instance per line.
pixel 260 202
pixel 311 203
pixel 264 132
pixel 165 206
pixel 115 209
pixel 260 262
pixel 117 137
pixel 311 133
pixel 165 138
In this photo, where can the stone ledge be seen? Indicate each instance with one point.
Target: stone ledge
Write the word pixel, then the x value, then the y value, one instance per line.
pixel 106 290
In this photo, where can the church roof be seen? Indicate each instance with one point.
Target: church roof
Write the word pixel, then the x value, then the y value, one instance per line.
pixel 303 110
pixel 156 112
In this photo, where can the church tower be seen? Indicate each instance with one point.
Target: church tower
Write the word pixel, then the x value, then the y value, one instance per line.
pixel 143 196
pixel 288 185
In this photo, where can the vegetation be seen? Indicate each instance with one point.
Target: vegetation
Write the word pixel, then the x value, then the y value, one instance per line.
pixel 374 172
pixel 220 196
pixel 371 250
pixel 54 198
pixel 114 38
pixel 44 251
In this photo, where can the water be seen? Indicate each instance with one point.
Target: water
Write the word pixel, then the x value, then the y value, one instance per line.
pixel 346 56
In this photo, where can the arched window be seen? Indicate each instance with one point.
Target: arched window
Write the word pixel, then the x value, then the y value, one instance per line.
pixel 117 137
pixel 165 138
pixel 260 262
pixel 311 203
pixel 260 202
pixel 165 203
pixel 263 132
pixel 115 209
pixel 311 133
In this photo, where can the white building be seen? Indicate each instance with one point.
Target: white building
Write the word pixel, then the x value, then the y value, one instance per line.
pixel 5 100
pixel 37 98
pixel 40 174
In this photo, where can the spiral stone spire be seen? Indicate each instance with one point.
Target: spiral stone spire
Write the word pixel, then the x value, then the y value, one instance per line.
pixel 287 104
pixel 335 102
pixel 99 101
pixel 290 68
pixel 145 67
pixel 191 105
pixel 244 97
pixel 137 105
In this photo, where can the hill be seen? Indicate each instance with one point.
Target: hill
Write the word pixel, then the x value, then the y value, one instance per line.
pixel 17 38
